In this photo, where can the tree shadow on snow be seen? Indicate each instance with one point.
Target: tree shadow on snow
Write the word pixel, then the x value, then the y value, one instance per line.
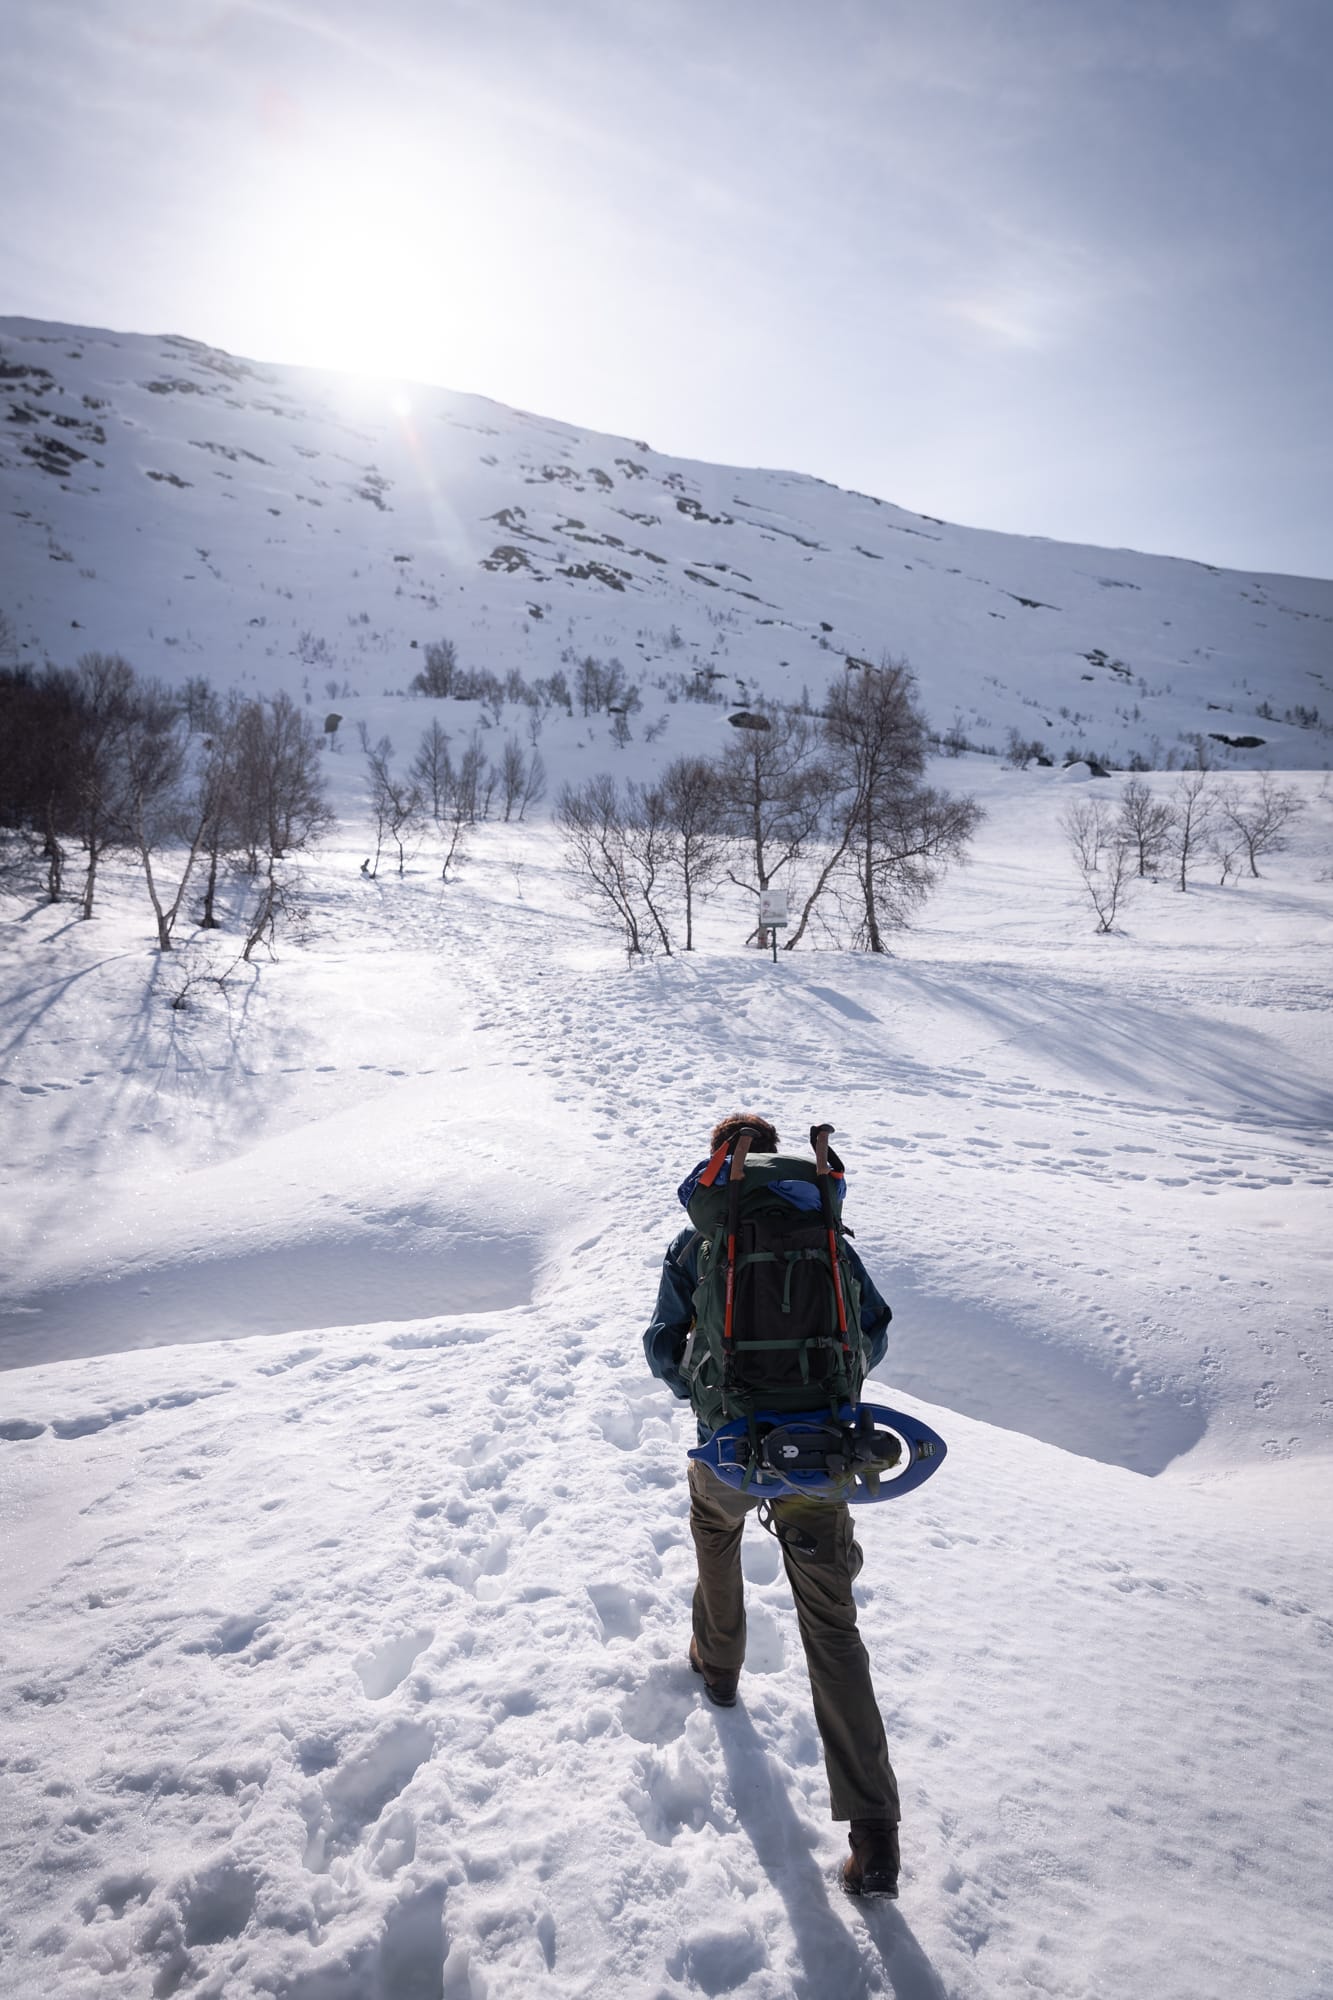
pixel 1160 1051
pixel 154 1067
pixel 832 1959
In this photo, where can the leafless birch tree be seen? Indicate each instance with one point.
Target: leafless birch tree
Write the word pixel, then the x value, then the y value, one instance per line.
pixel 1145 821
pixel 1192 808
pixel 691 790
pixel 1259 818
pixel 592 818
pixel 888 835
pixel 395 800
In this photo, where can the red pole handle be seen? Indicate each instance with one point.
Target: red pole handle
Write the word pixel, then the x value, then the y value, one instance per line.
pixel 735 1175
pixel 820 1137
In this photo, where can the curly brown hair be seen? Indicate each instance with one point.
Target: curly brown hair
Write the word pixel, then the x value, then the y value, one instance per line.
pixel 762 1130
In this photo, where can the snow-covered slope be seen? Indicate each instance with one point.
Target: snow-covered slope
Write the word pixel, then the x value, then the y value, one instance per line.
pixel 274 527
pixel 348 1574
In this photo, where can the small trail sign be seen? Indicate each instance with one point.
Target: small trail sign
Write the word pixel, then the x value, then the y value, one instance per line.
pixel 773 915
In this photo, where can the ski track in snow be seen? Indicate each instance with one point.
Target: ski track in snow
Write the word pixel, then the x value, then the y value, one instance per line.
pixel 349 1662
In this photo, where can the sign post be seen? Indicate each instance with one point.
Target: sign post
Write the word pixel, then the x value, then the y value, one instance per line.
pixel 773 915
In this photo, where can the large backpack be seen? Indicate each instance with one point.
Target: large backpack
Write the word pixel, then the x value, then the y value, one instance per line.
pixel 777 1308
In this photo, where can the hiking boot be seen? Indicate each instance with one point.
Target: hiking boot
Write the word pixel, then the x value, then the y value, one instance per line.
pixel 720 1683
pixel 871 1869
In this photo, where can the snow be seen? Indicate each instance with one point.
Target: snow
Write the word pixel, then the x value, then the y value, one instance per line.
pixel 347 1567
pixel 345 1621
pixel 278 527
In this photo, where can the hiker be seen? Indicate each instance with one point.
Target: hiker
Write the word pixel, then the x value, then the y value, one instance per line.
pixel 819 1550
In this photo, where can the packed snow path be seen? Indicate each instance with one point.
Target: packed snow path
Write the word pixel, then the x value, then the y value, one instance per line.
pixel 350 1661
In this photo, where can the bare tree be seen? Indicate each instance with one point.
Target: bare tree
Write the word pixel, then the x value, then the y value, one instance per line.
pixel 1144 822
pixel 106 700
pixel 694 808
pixel 475 781
pixel 453 829
pixel 132 776
pixel 513 769
pixel 1191 818
pixel 291 785
pixel 553 692
pixel 433 770
pixel 1224 845
pixel 282 781
pixel 277 788
pixel 377 771
pixel 1107 887
pixel 919 833
pixel 1020 750
pixel 440 673
pixel 202 709
pixel 42 726
pixel 247 793
pixel 650 844
pixel 534 783
pixel 604 684
pixel 522 778
pixel 1259 820
pixel 1086 825
pixel 219 794
pixel 154 753
pixel 592 817
pixel 590 680
pixel 877 737
pixel 449 792
pixel 890 835
pixel 395 801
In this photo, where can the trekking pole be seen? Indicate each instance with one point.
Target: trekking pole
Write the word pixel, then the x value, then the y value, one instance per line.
pixel 735 1175
pixel 819 1138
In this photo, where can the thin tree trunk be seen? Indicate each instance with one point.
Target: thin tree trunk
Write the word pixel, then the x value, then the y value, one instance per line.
pixel 55 857
pixel 821 884
pixel 761 936
pixel 179 896
pixel 655 914
pixel 868 890
pixel 208 921
pixel 263 917
pixel 90 879
pixel 163 925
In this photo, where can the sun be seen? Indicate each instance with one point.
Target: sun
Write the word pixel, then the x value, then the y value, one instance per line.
pixel 367 270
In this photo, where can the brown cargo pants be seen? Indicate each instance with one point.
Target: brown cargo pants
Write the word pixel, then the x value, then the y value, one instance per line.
pixel 856 1755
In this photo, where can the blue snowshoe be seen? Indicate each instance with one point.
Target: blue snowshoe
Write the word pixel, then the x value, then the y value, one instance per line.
pixel 864 1453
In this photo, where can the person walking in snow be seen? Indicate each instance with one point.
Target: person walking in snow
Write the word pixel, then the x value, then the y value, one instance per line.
pixel 820 1554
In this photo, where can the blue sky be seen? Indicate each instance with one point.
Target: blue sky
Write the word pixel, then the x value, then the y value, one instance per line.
pixel 1037 265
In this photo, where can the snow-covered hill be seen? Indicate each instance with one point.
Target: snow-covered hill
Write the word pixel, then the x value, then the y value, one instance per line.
pixel 275 527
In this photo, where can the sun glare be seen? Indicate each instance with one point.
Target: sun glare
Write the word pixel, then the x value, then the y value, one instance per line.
pixel 371 273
